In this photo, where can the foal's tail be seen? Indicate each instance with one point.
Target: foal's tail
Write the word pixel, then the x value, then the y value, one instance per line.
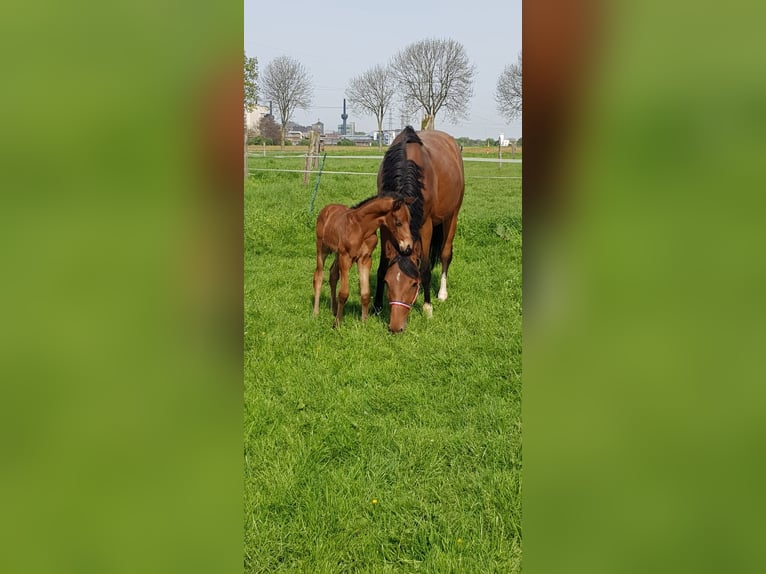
pixel 437 243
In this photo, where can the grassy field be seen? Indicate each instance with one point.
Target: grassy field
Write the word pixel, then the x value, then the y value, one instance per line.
pixel 365 451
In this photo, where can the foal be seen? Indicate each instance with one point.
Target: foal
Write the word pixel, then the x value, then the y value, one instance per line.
pixel 351 233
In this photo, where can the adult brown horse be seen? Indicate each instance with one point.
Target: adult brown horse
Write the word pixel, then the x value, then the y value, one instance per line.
pixel 351 233
pixel 427 166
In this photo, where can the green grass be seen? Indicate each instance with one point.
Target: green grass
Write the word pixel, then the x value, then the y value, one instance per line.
pixel 427 423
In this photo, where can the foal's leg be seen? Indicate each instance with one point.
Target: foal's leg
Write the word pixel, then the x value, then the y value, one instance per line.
pixel 319 274
pixel 345 265
pixel 334 273
pixel 363 265
pixel 377 305
pixel 446 256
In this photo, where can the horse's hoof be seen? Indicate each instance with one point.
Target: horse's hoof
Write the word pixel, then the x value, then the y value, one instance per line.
pixel 428 310
pixel 442 296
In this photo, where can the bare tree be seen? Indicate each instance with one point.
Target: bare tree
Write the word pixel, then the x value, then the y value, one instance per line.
pixel 286 83
pixel 435 74
pixel 372 92
pixel 508 94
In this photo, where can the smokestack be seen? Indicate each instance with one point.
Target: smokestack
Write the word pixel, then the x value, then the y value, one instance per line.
pixel 344 117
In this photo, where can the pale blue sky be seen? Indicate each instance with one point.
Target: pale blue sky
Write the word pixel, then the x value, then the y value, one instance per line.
pixel 341 39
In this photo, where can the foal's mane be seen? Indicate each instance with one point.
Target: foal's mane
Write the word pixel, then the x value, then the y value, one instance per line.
pixel 403 178
pixel 369 199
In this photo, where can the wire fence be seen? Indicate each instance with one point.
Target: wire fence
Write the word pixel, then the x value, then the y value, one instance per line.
pixel 255 169
pixel 379 157
pixel 374 173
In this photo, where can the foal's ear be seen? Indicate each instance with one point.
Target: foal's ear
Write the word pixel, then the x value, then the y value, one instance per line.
pixel 397 204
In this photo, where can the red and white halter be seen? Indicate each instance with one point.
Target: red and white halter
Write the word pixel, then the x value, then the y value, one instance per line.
pixel 407 305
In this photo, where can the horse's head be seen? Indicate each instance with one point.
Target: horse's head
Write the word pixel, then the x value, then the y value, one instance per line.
pixel 403 283
pixel 398 223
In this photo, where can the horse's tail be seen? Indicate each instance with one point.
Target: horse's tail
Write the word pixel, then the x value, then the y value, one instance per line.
pixel 437 243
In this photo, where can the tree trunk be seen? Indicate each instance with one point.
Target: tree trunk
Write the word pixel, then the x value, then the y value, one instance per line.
pixel 282 133
pixel 380 133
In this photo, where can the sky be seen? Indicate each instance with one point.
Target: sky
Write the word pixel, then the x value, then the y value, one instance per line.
pixel 338 40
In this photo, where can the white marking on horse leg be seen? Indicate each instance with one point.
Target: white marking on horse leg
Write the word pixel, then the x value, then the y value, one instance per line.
pixel 428 310
pixel 442 296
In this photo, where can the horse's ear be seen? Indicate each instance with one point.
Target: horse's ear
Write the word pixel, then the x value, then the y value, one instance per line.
pixel 397 204
pixel 390 250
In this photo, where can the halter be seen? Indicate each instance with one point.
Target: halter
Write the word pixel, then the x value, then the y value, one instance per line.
pixel 407 305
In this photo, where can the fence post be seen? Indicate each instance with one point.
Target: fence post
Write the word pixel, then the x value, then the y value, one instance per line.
pixel 316 187
pixel 307 167
pixel 315 150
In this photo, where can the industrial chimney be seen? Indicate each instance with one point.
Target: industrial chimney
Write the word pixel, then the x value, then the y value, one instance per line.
pixel 344 117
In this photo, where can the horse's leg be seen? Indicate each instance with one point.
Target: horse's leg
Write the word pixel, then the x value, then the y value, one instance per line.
pixel 446 256
pixel 334 272
pixel 377 305
pixel 363 265
pixel 345 266
pixel 319 274
pixel 425 266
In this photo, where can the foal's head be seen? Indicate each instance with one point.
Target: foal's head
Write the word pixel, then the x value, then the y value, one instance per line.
pixel 398 223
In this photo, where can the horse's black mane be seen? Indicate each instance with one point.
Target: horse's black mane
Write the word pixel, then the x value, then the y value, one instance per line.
pixel 407 266
pixel 402 178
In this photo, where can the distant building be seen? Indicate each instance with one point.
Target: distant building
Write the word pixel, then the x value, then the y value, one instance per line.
pixel 362 141
pixel 350 128
pixel 388 136
pixel 318 127
pixel 294 137
pixel 332 138
pixel 503 141
pixel 253 118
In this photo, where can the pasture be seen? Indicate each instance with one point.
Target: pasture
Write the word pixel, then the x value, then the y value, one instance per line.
pixel 366 451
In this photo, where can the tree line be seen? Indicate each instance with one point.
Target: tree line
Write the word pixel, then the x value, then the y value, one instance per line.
pixel 433 75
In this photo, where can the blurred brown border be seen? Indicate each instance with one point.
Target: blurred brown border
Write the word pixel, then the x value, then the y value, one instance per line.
pixel 221 155
pixel 560 43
